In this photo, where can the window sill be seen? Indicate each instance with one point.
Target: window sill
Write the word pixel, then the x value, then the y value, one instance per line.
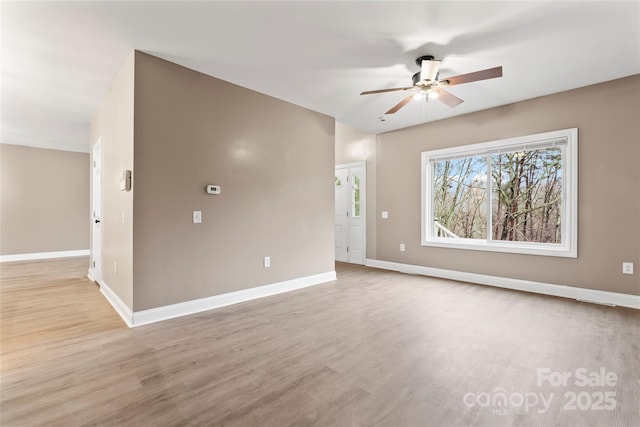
pixel 514 247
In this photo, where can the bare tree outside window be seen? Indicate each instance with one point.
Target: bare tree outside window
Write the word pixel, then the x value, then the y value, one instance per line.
pixel 526 196
pixel 460 197
pixel 527 189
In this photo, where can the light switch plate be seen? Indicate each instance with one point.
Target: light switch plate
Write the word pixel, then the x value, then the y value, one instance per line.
pixel 385 215
pixel 197 217
pixel 125 180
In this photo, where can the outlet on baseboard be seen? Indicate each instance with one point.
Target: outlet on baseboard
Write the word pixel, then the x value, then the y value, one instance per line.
pixel 627 268
pixel 267 262
pixel 402 247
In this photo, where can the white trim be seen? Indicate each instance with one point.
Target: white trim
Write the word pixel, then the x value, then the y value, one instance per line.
pixel 195 306
pixel 91 274
pixel 351 165
pixel 568 247
pixel 96 205
pixel 545 139
pixel 580 294
pixel 363 206
pixel 43 255
pixel 118 305
pixel 144 317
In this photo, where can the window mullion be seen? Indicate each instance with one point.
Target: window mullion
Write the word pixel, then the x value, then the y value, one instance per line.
pixel 489 198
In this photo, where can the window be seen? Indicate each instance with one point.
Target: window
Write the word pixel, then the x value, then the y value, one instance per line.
pixel 514 195
pixel 355 197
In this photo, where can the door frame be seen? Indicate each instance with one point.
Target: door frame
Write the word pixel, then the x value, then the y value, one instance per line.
pixel 95 266
pixel 363 205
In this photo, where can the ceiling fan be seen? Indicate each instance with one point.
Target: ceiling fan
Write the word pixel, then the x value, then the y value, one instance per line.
pixel 428 86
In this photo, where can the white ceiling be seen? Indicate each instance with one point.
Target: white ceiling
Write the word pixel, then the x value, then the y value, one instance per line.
pixel 59 58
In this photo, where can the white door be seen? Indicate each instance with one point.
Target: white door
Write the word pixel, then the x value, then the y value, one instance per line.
pixel 96 258
pixel 350 214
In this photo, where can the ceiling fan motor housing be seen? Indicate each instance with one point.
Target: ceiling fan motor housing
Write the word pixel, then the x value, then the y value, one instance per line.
pixel 428 72
pixel 424 58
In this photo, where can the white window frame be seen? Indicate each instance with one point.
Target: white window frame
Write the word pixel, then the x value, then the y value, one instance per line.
pixel 566 138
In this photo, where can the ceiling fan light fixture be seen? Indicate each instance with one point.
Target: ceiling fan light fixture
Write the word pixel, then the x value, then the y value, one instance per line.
pixel 427 84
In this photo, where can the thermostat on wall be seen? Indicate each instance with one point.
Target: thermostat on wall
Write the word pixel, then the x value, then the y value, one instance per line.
pixel 213 189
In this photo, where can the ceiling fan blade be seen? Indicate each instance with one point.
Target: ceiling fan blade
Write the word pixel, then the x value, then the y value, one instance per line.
pixel 447 98
pixel 429 69
pixel 395 89
pixel 400 104
pixel 490 73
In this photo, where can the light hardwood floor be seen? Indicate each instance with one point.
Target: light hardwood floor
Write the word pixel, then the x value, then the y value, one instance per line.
pixel 374 348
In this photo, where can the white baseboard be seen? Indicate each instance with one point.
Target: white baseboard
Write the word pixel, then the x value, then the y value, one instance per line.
pixel 581 294
pixel 118 305
pixel 144 317
pixel 43 255
pixel 195 306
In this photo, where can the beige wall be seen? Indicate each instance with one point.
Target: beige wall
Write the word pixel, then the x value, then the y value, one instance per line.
pixel 353 145
pixel 113 125
pixel 608 120
pixel 44 200
pixel 274 162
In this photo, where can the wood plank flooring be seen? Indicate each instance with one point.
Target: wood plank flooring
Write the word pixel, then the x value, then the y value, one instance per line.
pixel 374 348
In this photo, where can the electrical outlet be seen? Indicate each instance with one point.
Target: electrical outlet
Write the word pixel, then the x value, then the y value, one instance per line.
pixel 267 262
pixel 627 268
pixel 402 248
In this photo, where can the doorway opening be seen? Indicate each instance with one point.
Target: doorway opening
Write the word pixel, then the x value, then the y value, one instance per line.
pixel 350 212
